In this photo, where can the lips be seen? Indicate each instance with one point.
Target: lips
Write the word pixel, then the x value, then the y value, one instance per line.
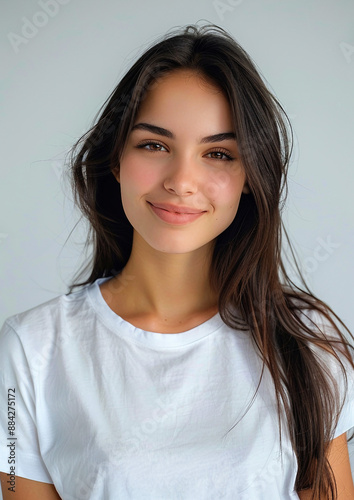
pixel 175 214
pixel 177 209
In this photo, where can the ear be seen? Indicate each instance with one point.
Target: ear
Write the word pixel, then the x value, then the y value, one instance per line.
pixel 116 173
pixel 246 189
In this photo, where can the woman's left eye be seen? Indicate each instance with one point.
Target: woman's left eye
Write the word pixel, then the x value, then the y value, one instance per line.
pixel 220 155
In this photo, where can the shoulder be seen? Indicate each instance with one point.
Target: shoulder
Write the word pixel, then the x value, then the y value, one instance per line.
pixel 321 327
pixel 39 324
pixel 37 343
pixel 328 338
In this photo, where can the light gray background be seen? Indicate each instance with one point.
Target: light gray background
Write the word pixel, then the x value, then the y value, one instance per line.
pixel 58 75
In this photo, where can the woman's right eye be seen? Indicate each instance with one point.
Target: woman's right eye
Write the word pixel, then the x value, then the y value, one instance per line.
pixel 152 146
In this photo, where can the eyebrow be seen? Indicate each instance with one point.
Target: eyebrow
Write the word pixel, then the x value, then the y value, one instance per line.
pixel 224 136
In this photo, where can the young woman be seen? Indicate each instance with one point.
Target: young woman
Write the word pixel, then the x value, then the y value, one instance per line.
pixel 188 365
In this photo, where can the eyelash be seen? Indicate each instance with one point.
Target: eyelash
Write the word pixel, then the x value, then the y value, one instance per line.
pixel 154 143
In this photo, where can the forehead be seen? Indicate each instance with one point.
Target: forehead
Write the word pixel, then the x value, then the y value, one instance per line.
pixel 184 95
pixel 186 76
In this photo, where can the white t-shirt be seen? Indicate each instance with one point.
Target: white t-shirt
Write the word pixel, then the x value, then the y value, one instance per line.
pixel 105 410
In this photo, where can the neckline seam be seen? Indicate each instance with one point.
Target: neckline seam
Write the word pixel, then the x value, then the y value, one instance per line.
pixel 155 338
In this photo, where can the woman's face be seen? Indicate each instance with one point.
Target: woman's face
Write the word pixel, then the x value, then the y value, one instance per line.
pixel 180 176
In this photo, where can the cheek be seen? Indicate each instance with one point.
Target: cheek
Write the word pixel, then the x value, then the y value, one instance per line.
pixel 225 184
pixel 136 177
pixel 218 183
pixel 225 189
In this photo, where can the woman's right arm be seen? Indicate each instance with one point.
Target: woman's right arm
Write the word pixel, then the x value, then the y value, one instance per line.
pixel 17 395
pixel 26 489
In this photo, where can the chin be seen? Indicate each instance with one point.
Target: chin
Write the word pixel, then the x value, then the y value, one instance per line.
pixel 177 246
pixel 174 249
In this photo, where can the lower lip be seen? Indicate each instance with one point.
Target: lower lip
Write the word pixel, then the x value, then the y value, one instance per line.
pixel 173 217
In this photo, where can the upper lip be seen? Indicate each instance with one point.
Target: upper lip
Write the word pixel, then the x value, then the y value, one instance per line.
pixel 177 208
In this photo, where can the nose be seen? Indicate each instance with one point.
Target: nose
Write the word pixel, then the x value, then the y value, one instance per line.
pixel 181 178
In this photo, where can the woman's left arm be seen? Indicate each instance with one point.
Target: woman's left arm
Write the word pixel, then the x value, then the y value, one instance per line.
pixel 338 457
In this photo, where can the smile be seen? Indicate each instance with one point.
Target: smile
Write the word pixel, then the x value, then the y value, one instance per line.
pixel 174 214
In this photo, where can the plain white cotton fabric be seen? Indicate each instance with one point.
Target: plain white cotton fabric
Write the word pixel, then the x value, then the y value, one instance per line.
pixel 105 410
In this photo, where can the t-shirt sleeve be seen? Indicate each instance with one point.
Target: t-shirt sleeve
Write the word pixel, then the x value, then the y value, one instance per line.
pixel 346 417
pixel 20 446
pixel 341 376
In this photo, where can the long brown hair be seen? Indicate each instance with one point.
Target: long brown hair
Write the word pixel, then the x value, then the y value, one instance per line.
pixel 247 267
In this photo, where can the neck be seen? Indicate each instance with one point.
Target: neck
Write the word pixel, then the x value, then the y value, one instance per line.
pixel 167 287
